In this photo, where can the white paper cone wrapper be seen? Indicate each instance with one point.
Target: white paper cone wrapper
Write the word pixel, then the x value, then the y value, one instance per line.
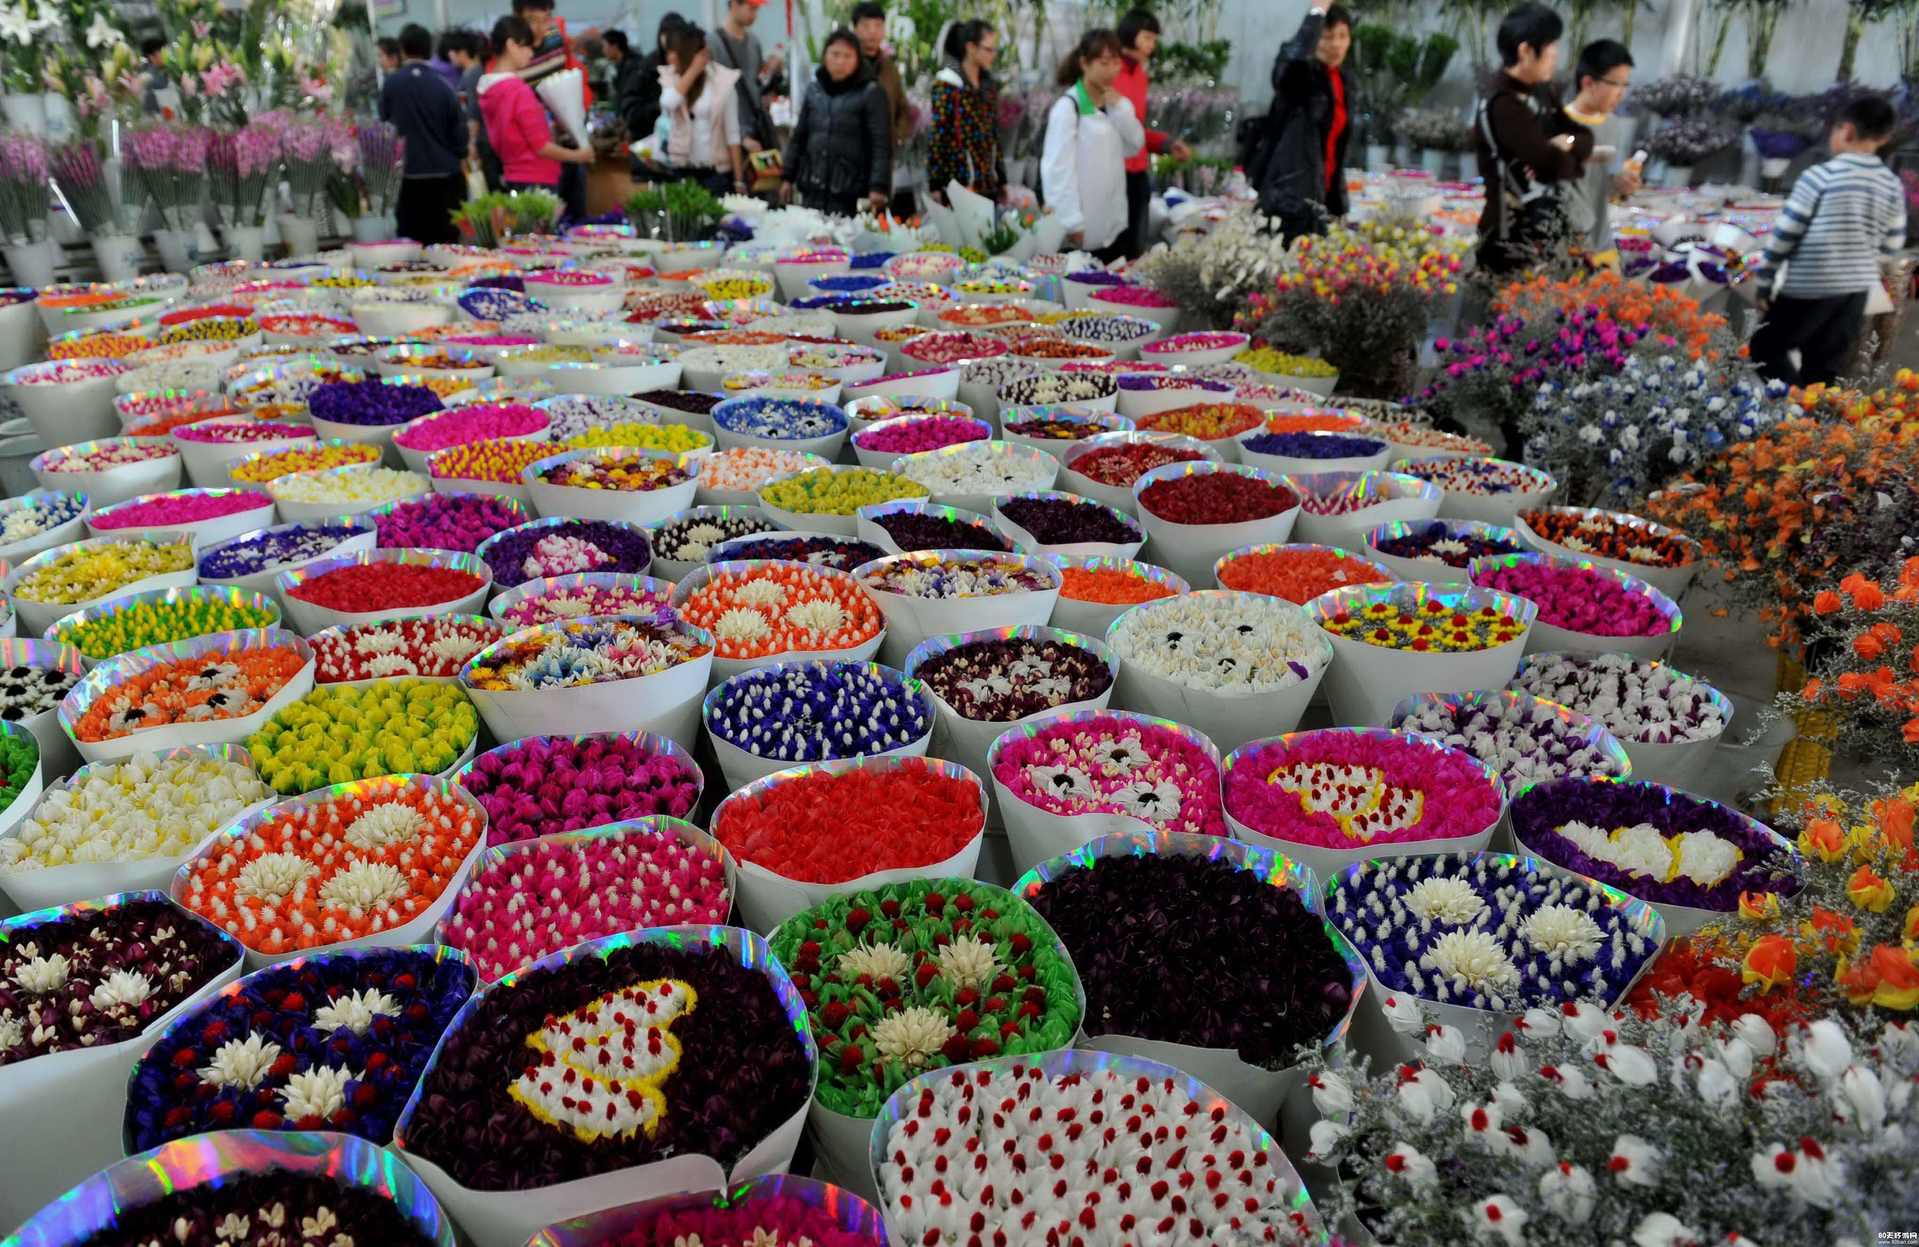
pixel 935 383
pixel 1499 508
pixel 200 533
pixel 74 1100
pixel 417 930
pixel 1192 549
pixel 1030 544
pixel 1366 681
pixel 725 669
pixel 511 1218
pixel 1680 920
pixel 63 534
pixel 1430 570
pixel 1398 497
pixel 768 899
pixel 36 616
pixel 662 825
pixel 1231 719
pixel 94 1206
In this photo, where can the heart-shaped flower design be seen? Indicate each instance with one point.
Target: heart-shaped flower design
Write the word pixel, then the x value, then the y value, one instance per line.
pixel 1357 798
pixel 603 1065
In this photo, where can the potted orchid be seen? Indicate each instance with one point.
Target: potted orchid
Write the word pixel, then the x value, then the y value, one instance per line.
pixel 23 210
pixel 242 162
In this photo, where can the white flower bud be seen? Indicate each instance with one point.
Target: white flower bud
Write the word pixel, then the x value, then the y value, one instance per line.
pixel 1662 1229
pixel 1826 1049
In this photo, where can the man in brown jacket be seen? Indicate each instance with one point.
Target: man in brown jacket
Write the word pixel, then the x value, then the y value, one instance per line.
pixel 869 23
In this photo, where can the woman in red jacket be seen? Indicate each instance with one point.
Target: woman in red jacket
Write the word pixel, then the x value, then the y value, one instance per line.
pixel 516 122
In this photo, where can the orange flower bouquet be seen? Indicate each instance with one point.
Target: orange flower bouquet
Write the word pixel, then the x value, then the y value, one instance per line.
pixel 1793 510
pixel 1844 945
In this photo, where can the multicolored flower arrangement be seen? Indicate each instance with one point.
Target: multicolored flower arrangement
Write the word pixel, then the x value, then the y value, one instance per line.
pixel 539 896
pixel 332 1042
pixel 586 651
pixel 434 647
pixel 1523 739
pixel 343 867
pixel 1357 298
pixel 95 974
pixel 1489 377
pixel 1001 680
pixel 337 734
pixel 533 551
pixel 546 784
pixel 917 976
pixel 1790 511
pixel 1433 625
pixel 1111 764
pixel 1215 919
pixel 1673 318
pixel 531 1086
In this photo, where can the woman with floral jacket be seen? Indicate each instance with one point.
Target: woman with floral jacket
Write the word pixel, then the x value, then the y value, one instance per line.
pixel 964 144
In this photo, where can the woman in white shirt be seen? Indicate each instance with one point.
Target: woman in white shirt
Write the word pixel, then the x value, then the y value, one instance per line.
pixel 1090 132
pixel 702 112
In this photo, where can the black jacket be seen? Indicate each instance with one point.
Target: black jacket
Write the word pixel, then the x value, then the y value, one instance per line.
pixel 842 143
pixel 639 95
pixel 1525 174
pixel 1289 168
pixel 426 111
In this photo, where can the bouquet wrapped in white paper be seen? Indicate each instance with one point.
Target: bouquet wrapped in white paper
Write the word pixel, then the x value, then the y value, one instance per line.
pixel 564 95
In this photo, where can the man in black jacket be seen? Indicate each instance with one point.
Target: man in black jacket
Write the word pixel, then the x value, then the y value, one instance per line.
pixel 841 150
pixel 1299 166
pixel 1529 151
pixel 425 110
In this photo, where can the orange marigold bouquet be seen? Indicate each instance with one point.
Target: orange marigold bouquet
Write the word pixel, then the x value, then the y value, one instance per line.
pixel 1674 319
pixel 1865 665
pixel 1843 945
pixel 1795 509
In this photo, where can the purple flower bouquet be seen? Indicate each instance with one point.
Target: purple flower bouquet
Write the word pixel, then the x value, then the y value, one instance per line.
pixel 330 1042
pixel 81 987
pixel 560 546
pixel 557 1088
pixel 236 1187
pixel 1687 856
pixel 1232 956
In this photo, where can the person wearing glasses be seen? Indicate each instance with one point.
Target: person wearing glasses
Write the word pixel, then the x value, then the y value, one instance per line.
pixel 1604 73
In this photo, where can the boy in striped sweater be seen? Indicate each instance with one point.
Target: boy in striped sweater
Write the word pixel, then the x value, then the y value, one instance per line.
pixel 1842 219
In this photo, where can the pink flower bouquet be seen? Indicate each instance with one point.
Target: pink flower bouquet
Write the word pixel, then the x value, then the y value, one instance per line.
pixel 1340 795
pixel 1584 608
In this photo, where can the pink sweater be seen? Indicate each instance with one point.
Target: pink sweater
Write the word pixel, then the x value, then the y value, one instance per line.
pixel 516 127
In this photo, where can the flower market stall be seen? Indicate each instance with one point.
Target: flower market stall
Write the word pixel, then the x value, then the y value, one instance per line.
pixel 807 736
